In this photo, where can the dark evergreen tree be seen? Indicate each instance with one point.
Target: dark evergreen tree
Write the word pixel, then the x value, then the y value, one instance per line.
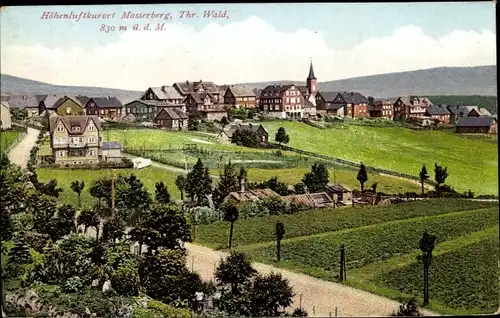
pixel 281 136
pixel 199 183
pixel 180 182
pixel 161 193
pixel 423 177
pixel 77 187
pixel 228 182
pixel 279 234
pixel 362 177
pixel 440 175
pixel 426 245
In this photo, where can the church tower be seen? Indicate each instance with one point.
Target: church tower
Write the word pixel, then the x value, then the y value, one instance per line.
pixel 312 82
pixel 312 85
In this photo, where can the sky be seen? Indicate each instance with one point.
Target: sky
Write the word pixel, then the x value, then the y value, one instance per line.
pixel 245 43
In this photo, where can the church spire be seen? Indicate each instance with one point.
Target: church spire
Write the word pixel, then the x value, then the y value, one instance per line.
pixel 311 72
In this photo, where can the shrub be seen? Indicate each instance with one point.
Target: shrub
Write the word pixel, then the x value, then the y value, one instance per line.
pixel 204 215
pixel 168 311
pixel 73 285
pixel 125 281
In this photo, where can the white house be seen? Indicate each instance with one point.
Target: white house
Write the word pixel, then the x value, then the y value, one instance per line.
pixel 6 120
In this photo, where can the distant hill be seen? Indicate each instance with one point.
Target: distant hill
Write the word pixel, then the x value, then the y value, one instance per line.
pixel 457 81
pixel 16 85
pixel 479 80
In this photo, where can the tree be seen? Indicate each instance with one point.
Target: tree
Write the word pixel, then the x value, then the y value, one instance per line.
pixel 423 177
pixel 64 222
pixel 300 188
pixel 19 255
pixel 317 179
pixel 228 182
pixel 165 227
pixel 131 198
pixel 362 176
pixel 440 175
pixel 234 271
pixel 199 183
pixel 275 205
pixel 89 218
pixel 279 234
pixel 113 229
pixel 161 193
pixel 231 215
pixel 180 182
pixel 43 208
pixel 224 122
pixel 246 138
pixel 77 187
pixel 408 309
pixel 281 136
pixel 268 294
pixel 125 281
pixel 426 245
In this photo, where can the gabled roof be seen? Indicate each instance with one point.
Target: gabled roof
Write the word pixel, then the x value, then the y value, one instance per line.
pixel 71 121
pixel 154 103
pixel 173 113
pixel 337 188
pixel 166 92
pixel 61 100
pixel 229 131
pixel 332 106
pixel 111 145
pixel 303 88
pixel 484 112
pixel 456 110
pixel 437 110
pixel 251 195
pixel 275 90
pixel 106 102
pixel 200 97
pixel 353 98
pixel 240 91
pixel 329 96
pixel 24 101
pixel 55 100
pixel 190 87
pixel 475 121
pixel 312 200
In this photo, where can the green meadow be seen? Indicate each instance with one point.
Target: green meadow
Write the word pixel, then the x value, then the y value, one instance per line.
pixel 472 162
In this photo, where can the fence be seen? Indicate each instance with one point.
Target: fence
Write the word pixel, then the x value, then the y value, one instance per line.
pixel 350 163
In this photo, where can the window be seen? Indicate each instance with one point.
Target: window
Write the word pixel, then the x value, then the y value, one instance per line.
pixel 61 153
pixel 68 110
pixel 62 141
pixel 91 127
pixel 92 139
pixel 102 111
pixel 80 140
pixel 60 128
pixel 75 128
pixel 91 152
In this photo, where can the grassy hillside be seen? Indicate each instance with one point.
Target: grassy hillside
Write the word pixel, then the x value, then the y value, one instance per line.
pixel 488 102
pixel 472 163
pixel 7 138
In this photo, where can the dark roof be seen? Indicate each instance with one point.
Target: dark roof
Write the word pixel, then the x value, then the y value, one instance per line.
pixel 311 72
pixel 190 87
pixel 173 113
pixel 111 145
pixel 332 106
pixel 275 90
pixel 437 110
pixel 229 131
pixel 303 88
pixel 329 96
pixel 241 90
pixel 165 92
pixel 200 97
pixel 353 98
pixel 71 121
pixel 107 102
pixel 455 110
pixel 475 121
pixel 308 104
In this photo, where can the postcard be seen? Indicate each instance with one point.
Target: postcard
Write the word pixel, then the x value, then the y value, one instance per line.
pixel 249 160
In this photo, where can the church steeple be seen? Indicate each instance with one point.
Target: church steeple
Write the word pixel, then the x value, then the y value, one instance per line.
pixel 311 72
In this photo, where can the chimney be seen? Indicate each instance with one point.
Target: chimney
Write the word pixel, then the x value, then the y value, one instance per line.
pixel 163 88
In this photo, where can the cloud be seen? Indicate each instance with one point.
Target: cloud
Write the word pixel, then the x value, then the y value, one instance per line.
pixel 247 51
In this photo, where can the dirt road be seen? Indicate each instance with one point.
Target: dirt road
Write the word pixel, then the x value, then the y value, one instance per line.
pixel 320 298
pixel 20 154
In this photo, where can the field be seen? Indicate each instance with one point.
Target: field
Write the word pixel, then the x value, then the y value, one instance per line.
pixel 149 176
pixel 262 164
pixel 381 247
pixel 472 162
pixel 7 138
